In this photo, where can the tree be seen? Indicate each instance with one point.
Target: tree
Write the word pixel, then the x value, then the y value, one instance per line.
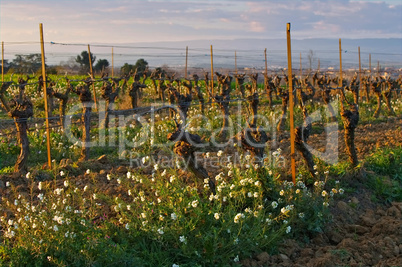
pixel 6 65
pixel 139 66
pixel 127 68
pixel 71 66
pixel 101 64
pixel 83 60
pixel 24 64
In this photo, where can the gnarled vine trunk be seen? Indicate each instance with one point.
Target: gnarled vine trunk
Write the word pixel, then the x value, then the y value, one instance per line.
pixel 63 98
pixel 85 97
pixel 284 107
pixel 350 118
pixel 223 101
pixel 185 147
pixel 20 109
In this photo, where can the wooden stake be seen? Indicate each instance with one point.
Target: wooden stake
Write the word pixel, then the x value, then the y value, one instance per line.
pixel 266 62
pixel 235 62
pixel 318 64
pixel 92 74
pixel 237 85
pixel 2 61
pixel 301 70
pixel 292 130
pixel 212 72
pixel 378 68
pixel 185 75
pixel 42 45
pixel 370 63
pixel 340 63
pixel 360 70
pixel 112 63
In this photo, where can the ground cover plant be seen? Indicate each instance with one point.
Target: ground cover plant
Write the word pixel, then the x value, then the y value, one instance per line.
pixel 135 200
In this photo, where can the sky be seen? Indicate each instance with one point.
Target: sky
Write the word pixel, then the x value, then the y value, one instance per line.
pixel 131 21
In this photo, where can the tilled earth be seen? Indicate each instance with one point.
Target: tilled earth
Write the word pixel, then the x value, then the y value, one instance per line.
pixel 362 233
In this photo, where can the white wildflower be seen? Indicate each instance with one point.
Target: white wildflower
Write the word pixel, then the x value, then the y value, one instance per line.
pixel 173 216
pixel 238 217
pixel 194 203
pixel 236 259
pixel 183 239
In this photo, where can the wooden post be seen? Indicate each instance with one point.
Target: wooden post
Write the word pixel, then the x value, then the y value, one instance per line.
pixel 292 130
pixel 2 61
pixel 360 70
pixel 112 63
pixel 49 158
pixel 370 63
pixel 235 62
pixel 92 74
pixel 301 70
pixel 237 85
pixel 378 68
pixel 212 72
pixel 185 75
pixel 266 62
pixel 340 63
pixel 318 65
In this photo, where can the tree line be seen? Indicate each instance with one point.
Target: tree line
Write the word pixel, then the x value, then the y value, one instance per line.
pixel 32 63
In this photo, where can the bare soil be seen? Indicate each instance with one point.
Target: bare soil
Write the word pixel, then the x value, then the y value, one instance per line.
pixel 362 233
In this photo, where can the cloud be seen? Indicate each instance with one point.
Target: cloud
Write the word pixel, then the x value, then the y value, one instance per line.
pixel 256 26
pixel 124 20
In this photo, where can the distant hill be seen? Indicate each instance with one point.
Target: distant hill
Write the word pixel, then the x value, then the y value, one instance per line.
pixel 249 52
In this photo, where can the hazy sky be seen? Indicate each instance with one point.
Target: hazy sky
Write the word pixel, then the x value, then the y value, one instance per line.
pixel 120 21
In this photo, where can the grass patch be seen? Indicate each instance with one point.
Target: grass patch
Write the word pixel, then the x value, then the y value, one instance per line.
pixel 385 176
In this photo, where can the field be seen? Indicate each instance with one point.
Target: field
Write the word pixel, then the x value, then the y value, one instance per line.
pixel 174 172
